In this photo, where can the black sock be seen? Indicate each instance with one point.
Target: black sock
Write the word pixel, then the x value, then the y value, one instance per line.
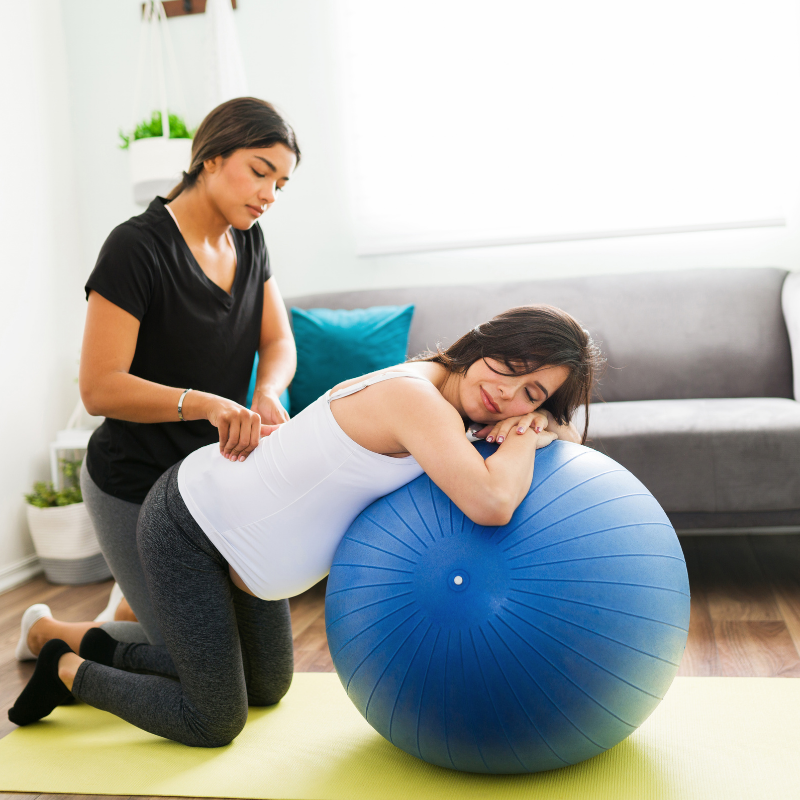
pixel 45 690
pixel 98 646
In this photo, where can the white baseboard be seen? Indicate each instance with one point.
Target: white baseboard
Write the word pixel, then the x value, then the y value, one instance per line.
pixel 19 572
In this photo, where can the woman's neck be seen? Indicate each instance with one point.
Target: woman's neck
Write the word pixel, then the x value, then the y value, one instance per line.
pixel 198 217
pixel 449 385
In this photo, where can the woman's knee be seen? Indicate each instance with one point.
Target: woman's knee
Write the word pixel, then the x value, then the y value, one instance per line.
pixel 219 731
pixel 271 692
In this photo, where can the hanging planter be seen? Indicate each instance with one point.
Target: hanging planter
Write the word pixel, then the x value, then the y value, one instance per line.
pixel 158 153
pixel 157 161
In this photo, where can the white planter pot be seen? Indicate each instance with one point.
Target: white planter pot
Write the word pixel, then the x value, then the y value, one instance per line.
pixel 66 544
pixel 156 166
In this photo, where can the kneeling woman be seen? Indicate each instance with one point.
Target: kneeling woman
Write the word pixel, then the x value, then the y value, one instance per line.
pixel 219 539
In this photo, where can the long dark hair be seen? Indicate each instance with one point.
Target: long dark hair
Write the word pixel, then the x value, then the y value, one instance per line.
pixel 244 122
pixel 528 338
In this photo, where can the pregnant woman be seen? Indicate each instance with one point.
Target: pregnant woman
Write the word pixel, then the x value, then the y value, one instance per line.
pixel 179 303
pixel 269 527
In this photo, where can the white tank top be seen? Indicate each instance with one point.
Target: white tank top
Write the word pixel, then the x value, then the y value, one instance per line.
pixel 278 517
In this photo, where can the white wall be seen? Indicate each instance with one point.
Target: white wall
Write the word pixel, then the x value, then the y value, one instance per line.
pixel 41 321
pixel 68 70
pixel 289 48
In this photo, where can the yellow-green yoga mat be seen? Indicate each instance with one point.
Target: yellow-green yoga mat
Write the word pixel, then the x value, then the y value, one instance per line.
pixel 710 738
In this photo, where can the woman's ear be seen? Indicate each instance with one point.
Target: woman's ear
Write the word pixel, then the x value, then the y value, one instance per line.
pixel 212 165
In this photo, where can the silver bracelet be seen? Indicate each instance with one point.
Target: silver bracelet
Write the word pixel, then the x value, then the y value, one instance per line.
pixel 180 405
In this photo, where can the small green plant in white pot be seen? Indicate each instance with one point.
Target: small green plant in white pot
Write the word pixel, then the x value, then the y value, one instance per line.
pixel 62 532
pixel 157 157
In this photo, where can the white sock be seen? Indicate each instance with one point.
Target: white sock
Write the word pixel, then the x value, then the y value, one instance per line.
pixel 31 615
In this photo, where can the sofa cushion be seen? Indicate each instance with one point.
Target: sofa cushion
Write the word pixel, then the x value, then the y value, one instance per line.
pixel 667 335
pixel 717 455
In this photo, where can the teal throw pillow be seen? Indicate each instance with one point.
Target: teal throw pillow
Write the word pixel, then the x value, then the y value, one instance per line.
pixel 336 345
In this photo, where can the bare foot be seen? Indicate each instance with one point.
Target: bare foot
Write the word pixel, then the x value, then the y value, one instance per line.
pixel 47 628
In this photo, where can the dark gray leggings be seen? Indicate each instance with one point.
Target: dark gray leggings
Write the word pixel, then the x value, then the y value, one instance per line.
pixel 226 648
pixel 114 522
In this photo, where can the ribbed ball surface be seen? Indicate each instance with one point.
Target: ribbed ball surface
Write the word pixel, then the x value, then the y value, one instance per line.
pixel 514 649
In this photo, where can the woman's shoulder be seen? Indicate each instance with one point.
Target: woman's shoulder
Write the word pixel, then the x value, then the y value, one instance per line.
pixel 413 371
pixel 140 231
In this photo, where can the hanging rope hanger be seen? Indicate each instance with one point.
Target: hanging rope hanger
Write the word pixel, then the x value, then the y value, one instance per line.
pixel 154 39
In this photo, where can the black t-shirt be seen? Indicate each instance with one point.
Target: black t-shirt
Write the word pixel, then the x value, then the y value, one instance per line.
pixel 192 334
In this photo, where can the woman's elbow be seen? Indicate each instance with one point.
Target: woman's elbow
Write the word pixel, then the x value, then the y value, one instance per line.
pixel 497 511
pixel 90 398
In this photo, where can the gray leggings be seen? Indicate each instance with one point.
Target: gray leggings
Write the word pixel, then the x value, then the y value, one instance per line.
pixel 226 648
pixel 114 521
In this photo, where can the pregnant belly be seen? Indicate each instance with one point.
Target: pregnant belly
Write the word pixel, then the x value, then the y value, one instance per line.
pixel 238 581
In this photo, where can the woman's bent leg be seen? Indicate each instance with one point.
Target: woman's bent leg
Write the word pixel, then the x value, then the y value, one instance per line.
pixel 192 599
pixel 265 635
pixel 114 521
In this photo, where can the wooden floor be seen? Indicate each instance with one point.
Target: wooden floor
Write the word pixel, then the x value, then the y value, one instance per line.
pixel 745 616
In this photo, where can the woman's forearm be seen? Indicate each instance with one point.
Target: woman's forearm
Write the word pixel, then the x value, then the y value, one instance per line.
pixel 120 395
pixel 277 362
pixel 511 471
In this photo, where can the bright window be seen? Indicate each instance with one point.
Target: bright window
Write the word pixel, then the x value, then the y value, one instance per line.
pixel 520 121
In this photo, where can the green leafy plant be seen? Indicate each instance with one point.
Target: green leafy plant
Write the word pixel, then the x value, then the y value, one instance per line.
pixel 45 496
pixel 153 127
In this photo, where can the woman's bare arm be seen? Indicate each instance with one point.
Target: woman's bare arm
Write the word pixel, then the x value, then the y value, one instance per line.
pixel 108 389
pixel 427 426
pixel 277 357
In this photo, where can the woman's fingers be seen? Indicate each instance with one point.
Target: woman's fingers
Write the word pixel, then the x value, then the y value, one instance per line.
pixel 526 422
pixel 503 429
pixel 493 433
pixel 479 431
pixel 223 426
pixel 233 436
pixel 545 438
pixel 539 422
pixel 255 436
pixel 500 431
pixel 249 430
pixel 239 429
pixel 238 434
pixel 246 446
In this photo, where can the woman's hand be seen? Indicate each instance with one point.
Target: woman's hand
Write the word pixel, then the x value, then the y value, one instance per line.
pixel 239 429
pixel 536 420
pixel 545 438
pixel 267 405
pixel 568 432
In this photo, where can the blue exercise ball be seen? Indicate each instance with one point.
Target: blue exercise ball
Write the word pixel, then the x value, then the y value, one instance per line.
pixel 518 648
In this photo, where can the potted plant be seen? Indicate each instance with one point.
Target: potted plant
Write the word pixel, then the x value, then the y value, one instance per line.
pixel 62 532
pixel 157 157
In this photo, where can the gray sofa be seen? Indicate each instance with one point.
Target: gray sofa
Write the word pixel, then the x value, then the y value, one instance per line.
pixel 698 398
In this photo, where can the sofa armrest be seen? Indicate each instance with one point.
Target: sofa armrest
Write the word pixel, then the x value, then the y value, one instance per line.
pixel 790 301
